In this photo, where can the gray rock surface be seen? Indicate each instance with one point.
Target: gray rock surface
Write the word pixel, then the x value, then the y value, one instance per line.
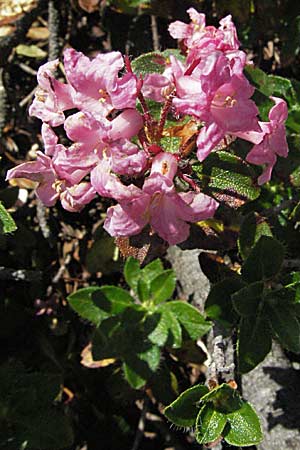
pixel 193 283
pixel 273 388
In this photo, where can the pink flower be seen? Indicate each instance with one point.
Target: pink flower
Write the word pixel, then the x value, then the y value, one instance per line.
pixel 215 95
pixel 160 205
pixel 197 36
pixel 74 198
pixel 157 86
pixel 43 173
pixel 52 97
pixel 97 86
pixel 191 32
pixel 271 142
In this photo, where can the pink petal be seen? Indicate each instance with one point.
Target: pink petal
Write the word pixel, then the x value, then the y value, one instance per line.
pixel 73 164
pixel 126 125
pixel 279 112
pixel 50 139
pixel 166 221
pixel 128 218
pixel 127 158
pixel 74 198
pixel 124 95
pixel 109 185
pixel 209 137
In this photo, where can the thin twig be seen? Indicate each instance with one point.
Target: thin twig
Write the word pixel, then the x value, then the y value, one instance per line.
pixel 54 28
pixel 155 35
pixel 41 214
pixel 27 69
pixel 28 98
pixel 141 425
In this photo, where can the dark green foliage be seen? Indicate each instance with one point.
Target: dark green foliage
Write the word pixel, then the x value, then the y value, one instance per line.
pixel 28 411
pixel 135 332
pixel 218 413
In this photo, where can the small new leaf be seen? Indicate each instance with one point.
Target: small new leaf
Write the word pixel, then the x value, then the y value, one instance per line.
pixel 184 410
pixel 243 428
pixel 210 424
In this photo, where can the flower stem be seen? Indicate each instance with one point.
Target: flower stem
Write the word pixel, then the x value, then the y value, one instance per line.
pixel 163 116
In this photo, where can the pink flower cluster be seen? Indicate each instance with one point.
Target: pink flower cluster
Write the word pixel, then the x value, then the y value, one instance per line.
pixel 115 149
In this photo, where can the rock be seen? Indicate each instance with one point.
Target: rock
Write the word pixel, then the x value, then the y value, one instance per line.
pixel 194 284
pixel 273 388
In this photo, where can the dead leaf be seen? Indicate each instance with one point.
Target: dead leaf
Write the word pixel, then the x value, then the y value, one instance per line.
pixel 6 30
pixel 88 361
pixel 38 33
pixel 89 6
pixel 11 10
pixel 31 51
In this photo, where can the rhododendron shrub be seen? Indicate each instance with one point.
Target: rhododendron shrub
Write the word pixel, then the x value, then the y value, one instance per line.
pixel 116 140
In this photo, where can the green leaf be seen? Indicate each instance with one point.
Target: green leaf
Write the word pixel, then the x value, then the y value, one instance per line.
pixel 112 300
pixel 210 424
pixel 228 178
pixel 81 301
pixel 224 398
pixel 285 326
pixel 134 379
pixel 254 341
pixel 140 279
pixel 253 227
pixel 32 51
pixel 153 62
pixel 132 272
pixel 140 367
pixel 143 290
pixel 243 427
pixel 158 323
pixel 167 329
pixel 7 223
pixel 189 317
pixel 108 339
pixel 174 339
pixel 259 79
pixel 170 143
pixel 264 261
pixel 164 384
pixel 152 270
pixel 184 410
pixel 247 299
pixel 218 305
pixel 162 286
